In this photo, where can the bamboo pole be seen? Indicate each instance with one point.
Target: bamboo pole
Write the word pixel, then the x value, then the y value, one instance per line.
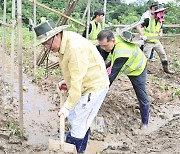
pixel 5 24
pixel 104 9
pixel 69 11
pixel 60 18
pixel 19 17
pixel 164 26
pixel 12 46
pixel 84 14
pixel 57 12
pixel 83 17
pixel 3 41
pixel 34 49
pixel 88 18
pixel 172 26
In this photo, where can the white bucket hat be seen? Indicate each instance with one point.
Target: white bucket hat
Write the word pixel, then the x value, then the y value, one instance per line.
pixel 46 30
pixel 159 8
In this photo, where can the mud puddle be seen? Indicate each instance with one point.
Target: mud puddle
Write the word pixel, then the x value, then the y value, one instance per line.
pixel 39 122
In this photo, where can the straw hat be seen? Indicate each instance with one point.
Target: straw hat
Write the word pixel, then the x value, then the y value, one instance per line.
pixel 46 30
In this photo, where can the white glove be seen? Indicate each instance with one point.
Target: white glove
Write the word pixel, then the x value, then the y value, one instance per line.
pixel 161 33
pixel 63 111
pixel 62 85
pixel 144 37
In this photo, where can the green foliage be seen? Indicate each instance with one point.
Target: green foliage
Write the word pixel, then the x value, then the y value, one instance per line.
pixel 176 63
pixel 155 80
pixel 176 94
pixel 14 130
pixel 27 36
pixel 40 73
pixel 162 86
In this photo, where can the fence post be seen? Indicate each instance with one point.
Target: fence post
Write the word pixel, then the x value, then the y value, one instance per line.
pixel 34 48
pixel 19 17
pixel 12 46
pixel 3 41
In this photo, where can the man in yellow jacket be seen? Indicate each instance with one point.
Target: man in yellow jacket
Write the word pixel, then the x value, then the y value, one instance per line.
pixel 127 58
pixel 84 74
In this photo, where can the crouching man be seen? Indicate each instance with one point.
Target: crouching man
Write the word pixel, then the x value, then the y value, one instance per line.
pixel 127 58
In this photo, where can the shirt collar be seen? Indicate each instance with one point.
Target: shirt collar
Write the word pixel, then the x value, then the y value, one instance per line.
pixel 63 42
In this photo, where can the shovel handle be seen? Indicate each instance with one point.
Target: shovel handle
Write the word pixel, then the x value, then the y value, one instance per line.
pixel 62 118
pixel 62 129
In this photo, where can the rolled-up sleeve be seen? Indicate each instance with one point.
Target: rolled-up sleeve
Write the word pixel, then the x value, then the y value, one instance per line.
pixel 78 65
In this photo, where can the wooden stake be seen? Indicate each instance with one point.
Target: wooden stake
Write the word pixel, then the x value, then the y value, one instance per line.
pixel 88 18
pixel 104 9
pixel 12 46
pixel 19 16
pixel 3 41
pixel 34 49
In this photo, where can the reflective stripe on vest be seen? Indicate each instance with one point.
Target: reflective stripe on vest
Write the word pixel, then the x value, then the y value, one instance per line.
pixel 136 62
pixel 94 31
pixel 153 29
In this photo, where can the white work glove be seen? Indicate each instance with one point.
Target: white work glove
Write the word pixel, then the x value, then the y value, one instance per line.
pixel 144 37
pixel 62 85
pixel 63 111
pixel 161 33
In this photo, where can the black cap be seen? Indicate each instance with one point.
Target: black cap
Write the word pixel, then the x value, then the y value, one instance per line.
pixel 98 12
pixel 44 27
pixel 153 4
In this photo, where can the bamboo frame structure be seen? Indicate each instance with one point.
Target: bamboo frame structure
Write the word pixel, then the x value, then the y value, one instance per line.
pixel 69 9
pixel 57 12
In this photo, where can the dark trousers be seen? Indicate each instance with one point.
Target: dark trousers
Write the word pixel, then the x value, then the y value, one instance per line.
pixel 139 85
pixel 152 54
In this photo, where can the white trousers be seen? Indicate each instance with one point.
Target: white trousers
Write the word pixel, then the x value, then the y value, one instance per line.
pixel 82 116
pixel 157 47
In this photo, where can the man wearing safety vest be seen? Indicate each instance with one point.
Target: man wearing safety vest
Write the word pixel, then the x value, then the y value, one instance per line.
pixel 153 28
pixel 127 58
pixel 148 14
pixel 95 26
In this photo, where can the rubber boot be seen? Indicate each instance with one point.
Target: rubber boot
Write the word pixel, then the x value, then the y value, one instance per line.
pixel 80 144
pixel 166 68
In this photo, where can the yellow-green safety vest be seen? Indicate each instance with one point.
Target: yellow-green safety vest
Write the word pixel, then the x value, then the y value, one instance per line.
pixel 136 62
pixel 94 32
pixel 153 29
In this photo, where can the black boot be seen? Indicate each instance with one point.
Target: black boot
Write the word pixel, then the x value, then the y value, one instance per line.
pixel 166 68
pixel 80 144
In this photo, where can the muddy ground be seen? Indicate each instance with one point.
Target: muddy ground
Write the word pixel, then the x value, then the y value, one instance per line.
pixel 120 110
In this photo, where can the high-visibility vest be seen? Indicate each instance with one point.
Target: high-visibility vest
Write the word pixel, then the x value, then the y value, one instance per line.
pixel 94 31
pixel 153 29
pixel 136 62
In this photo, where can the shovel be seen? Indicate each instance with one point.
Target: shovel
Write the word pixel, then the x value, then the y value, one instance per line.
pixel 56 145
